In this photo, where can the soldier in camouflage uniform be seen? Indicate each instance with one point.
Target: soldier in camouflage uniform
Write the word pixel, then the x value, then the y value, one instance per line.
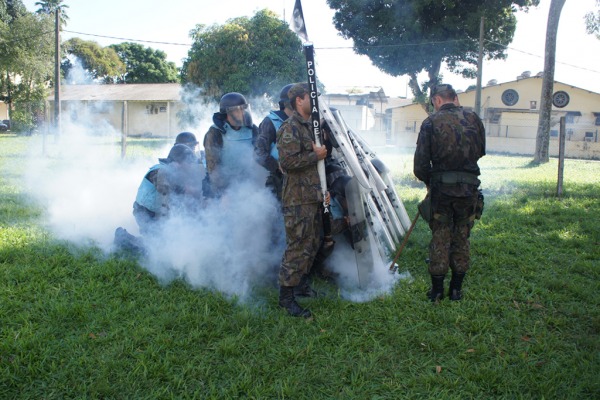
pixel 450 143
pixel 302 197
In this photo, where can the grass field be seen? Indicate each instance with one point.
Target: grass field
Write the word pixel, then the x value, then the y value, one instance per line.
pixel 76 323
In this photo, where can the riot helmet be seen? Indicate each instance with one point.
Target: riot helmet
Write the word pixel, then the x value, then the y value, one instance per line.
pixel 237 110
pixel 284 100
pixel 187 138
pixel 181 153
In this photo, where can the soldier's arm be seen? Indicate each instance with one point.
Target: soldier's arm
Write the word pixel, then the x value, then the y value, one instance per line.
pixel 213 148
pixel 262 147
pixel 422 159
pixel 163 190
pixel 292 156
pixel 482 133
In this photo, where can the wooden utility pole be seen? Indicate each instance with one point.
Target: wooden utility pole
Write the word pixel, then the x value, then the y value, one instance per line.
pixel 479 70
pixel 57 74
pixel 561 156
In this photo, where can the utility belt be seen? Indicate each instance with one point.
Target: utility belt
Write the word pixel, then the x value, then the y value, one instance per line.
pixel 426 210
pixel 454 177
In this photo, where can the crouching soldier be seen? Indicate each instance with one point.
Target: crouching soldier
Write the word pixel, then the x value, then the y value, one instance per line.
pixel 173 183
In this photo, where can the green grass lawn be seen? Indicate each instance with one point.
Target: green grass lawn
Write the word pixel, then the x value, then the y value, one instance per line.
pixel 75 323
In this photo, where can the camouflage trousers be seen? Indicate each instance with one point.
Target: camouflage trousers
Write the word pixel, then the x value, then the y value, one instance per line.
pixel 450 230
pixel 303 226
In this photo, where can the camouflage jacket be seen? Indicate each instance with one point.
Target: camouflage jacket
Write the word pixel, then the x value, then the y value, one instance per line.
pixel 301 184
pixel 451 139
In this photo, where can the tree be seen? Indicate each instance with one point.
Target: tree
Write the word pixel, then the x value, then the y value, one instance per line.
pixel 592 21
pixel 10 10
pixel 101 63
pixel 542 141
pixel 50 6
pixel 411 36
pixel 26 50
pixel 144 65
pixel 254 56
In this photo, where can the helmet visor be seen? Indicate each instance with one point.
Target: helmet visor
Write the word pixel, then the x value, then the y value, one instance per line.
pixel 239 116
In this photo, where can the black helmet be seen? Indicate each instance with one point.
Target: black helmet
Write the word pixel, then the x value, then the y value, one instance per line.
pixel 284 100
pixel 231 100
pixel 181 153
pixel 187 138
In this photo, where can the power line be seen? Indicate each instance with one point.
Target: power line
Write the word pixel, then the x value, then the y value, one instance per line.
pixel 341 47
pixel 392 45
pixel 538 56
pixel 128 40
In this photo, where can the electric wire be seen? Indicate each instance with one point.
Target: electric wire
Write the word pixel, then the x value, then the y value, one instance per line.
pixel 344 47
pixel 316 48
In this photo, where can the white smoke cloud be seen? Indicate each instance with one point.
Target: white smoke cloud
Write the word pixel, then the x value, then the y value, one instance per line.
pixel 233 245
pixel 77 75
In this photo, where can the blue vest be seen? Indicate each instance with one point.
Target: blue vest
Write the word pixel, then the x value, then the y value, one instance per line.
pixel 237 149
pixel 244 134
pixel 147 195
pixel 277 121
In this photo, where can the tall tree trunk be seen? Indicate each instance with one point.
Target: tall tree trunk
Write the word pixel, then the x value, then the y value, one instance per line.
pixel 542 142
pixel 9 93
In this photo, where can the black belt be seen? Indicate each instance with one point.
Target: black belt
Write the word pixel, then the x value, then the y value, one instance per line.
pixel 454 177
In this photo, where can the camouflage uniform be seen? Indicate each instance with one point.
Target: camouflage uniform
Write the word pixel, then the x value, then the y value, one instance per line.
pixel 450 143
pixel 301 199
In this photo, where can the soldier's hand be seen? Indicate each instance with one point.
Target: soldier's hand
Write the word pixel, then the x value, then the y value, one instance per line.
pixel 321 151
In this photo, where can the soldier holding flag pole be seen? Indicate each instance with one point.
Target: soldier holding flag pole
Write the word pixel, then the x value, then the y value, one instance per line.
pixel 302 198
pixel 299 27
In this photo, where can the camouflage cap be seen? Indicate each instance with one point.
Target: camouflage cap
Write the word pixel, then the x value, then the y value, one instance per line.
pixel 438 89
pixel 298 90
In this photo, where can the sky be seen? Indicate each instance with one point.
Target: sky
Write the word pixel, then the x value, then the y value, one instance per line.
pixel 338 67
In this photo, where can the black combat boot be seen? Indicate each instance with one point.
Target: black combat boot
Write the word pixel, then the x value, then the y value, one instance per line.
pixel 436 292
pixel 454 291
pixel 303 289
pixel 287 301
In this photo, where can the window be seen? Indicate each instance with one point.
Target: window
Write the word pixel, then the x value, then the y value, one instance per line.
pixel 560 99
pixel 570 116
pixel 510 97
pixel 589 137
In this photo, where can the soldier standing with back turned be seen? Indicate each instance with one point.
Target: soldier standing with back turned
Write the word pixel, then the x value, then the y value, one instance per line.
pixel 450 143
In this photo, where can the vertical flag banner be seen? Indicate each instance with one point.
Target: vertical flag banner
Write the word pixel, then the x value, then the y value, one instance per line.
pixel 298 24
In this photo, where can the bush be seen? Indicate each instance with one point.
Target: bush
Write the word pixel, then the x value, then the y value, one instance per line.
pixel 22 122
